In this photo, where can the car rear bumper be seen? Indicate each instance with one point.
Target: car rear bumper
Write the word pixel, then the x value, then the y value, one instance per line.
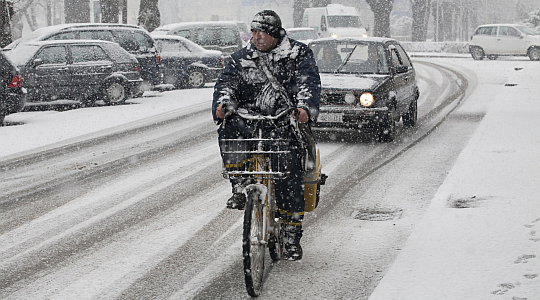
pixel 347 118
pixel 15 100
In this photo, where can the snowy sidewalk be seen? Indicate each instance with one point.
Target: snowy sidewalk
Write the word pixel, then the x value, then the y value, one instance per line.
pixel 480 237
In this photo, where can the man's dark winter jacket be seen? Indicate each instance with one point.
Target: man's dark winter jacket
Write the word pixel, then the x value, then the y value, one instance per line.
pixel 244 85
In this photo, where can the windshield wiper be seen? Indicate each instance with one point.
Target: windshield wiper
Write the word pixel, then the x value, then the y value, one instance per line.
pixel 346 59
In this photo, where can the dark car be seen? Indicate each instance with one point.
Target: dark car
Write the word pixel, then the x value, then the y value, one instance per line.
pixel 134 39
pixel 186 64
pixel 12 94
pixel 82 70
pixel 367 84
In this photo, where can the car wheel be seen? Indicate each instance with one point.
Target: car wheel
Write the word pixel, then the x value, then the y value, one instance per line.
pixel 115 93
pixel 477 53
pixel 387 129
pixel 534 54
pixel 410 118
pixel 195 79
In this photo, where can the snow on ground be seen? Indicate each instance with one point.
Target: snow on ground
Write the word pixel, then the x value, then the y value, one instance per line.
pixel 479 239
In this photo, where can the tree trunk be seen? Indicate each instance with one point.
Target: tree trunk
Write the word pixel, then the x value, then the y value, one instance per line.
pixel 109 11
pixel 381 10
pixel 6 11
pixel 77 11
pixel 149 16
pixel 420 10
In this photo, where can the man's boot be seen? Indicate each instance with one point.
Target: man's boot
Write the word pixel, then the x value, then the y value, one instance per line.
pixel 290 236
pixel 237 201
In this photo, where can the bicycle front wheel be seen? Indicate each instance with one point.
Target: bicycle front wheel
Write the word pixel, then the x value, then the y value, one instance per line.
pixel 254 244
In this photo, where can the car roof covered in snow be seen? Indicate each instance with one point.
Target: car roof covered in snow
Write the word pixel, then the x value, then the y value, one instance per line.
pixel 203 23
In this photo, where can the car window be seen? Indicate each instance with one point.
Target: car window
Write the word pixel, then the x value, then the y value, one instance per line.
pixel 170 46
pixel 403 56
pixel 509 31
pixel 183 33
pixel 487 30
pixel 395 57
pixel 87 53
pixel 206 37
pixel 105 35
pixel 133 41
pixel 62 36
pixel 227 37
pixel 53 55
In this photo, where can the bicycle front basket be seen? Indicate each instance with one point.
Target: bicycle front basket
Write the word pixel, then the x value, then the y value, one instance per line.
pixel 256 157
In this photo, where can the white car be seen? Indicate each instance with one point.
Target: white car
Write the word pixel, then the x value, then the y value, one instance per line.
pixel 494 40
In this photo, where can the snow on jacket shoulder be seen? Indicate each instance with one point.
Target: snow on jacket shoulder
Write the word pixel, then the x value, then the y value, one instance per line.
pixel 245 85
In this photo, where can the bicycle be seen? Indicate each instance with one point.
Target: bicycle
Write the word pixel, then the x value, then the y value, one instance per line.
pixel 262 161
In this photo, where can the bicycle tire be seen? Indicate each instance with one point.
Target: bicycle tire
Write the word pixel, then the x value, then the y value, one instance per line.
pixel 253 245
pixel 274 243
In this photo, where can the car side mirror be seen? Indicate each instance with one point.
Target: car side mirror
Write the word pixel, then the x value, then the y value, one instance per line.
pixel 37 62
pixel 367 28
pixel 402 69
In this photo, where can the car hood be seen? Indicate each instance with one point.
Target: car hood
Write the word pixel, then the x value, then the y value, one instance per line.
pixel 352 81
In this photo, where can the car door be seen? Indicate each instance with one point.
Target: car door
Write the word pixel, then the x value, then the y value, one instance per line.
pixel 175 58
pixel 486 37
pixel 403 81
pixel 510 41
pixel 90 67
pixel 51 74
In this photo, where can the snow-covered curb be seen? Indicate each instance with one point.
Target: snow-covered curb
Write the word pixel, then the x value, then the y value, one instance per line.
pixel 437 47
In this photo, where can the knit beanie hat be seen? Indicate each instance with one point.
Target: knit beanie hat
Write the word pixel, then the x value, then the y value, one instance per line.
pixel 268 22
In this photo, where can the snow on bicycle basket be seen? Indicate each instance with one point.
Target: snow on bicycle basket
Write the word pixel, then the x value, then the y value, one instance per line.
pixel 263 158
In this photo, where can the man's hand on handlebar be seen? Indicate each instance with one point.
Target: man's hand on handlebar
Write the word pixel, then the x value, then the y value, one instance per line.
pixel 222 111
pixel 302 115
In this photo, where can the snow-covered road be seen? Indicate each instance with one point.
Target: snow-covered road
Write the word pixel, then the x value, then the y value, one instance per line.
pixel 135 210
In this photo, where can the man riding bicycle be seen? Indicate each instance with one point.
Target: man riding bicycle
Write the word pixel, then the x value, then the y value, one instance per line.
pixel 270 75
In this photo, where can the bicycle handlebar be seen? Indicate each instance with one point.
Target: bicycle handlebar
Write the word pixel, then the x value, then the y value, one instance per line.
pixel 243 113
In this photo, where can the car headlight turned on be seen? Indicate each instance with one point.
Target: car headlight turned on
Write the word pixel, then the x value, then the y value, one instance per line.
pixel 333 35
pixel 366 99
pixel 350 98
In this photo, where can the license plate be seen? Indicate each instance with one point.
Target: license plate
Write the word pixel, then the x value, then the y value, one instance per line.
pixel 330 117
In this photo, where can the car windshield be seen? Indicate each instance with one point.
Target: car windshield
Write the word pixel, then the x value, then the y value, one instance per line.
pixel 526 30
pixel 344 21
pixel 23 54
pixel 347 57
pixel 302 35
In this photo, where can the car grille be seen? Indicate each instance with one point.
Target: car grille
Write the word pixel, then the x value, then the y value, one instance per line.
pixel 332 98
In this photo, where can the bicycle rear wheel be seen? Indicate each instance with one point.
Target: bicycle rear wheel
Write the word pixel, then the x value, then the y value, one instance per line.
pixel 254 245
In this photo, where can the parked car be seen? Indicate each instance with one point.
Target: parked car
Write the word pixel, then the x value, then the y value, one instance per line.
pixel 134 39
pixel 302 34
pixel 12 94
pixel 186 64
pixel 367 84
pixel 82 70
pixel 494 40
pixel 223 36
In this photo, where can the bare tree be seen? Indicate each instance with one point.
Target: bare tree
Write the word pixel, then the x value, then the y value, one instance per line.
pixel 6 13
pixel 381 11
pixel 420 10
pixel 109 11
pixel 149 16
pixel 77 11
